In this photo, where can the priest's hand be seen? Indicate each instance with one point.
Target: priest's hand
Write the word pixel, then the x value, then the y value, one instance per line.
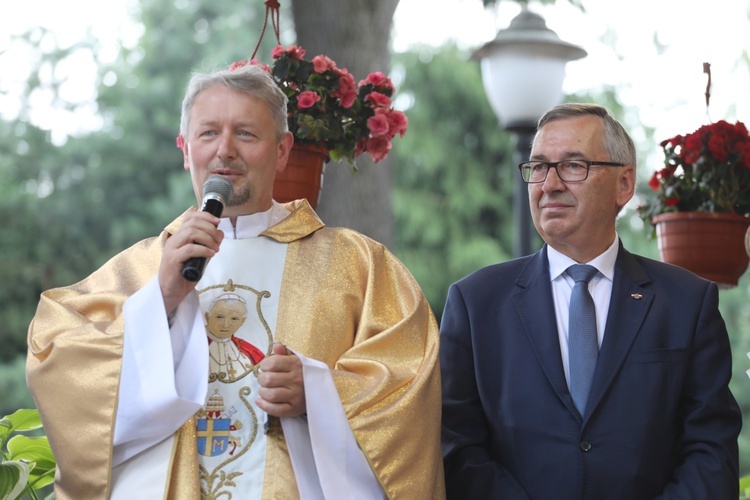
pixel 197 237
pixel 282 389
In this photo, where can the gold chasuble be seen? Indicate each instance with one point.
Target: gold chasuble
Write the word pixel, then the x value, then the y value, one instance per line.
pixel 344 300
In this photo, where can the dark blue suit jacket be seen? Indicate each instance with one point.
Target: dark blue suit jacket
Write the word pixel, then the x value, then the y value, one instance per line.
pixel 660 419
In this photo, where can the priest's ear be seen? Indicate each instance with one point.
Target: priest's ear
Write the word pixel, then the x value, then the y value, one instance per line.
pixel 285 145
pixel 183 144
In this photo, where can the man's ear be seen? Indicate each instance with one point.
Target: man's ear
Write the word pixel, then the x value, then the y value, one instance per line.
pixel 285 146
pixel 185 152
pixel 626 185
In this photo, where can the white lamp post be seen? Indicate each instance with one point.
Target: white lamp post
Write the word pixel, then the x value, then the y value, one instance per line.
pixel 523 70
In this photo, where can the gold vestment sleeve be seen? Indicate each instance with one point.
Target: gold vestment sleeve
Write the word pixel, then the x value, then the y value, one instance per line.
pixel 73 365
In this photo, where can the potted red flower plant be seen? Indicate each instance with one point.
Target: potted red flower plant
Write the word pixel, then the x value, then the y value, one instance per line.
pixel 703 187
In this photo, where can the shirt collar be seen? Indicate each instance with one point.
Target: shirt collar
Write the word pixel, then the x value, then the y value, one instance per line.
pixel 250 226
pixel 604 263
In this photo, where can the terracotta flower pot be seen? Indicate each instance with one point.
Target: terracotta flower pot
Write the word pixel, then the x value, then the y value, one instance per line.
pixel 303 175
pixel 708 244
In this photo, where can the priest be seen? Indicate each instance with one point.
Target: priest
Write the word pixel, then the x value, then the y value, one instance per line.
pixel 342 399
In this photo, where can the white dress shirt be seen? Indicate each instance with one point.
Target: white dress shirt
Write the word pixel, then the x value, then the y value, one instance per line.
pixel 600 288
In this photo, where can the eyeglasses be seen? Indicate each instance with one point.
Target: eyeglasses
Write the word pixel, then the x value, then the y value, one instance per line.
pixel 567 170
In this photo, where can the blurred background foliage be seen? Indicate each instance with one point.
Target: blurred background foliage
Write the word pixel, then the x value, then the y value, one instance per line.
pixel 67 208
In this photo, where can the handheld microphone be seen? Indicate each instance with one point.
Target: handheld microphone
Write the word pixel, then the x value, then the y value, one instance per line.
pixel 217 191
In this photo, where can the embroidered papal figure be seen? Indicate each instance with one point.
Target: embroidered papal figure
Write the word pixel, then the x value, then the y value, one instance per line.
pixel 239 337
pixel 231 357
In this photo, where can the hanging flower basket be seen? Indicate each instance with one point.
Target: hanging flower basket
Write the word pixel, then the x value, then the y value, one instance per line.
pixel 701 208
pixel 708 244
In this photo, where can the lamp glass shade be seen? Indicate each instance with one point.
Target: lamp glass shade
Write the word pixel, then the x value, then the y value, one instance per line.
pixel 520 85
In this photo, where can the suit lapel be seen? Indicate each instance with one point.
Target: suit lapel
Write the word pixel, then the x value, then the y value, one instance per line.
pixel 628 306
pixel 536 308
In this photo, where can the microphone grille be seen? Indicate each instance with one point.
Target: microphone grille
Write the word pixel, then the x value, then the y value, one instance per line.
pixel 220 186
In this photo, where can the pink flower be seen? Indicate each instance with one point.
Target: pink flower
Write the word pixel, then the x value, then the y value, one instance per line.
pixel 322 63
pixel 378 125
pixel 264 67
pixel 307 99
pixel 247 62
pixel 328 108
pixel 346 93
pixel 378 148
pixel 398 123
pixel 360 147
pixel 293 51
pixel 180 141
pixel 238 64
pixel 378 99
pixel 379 81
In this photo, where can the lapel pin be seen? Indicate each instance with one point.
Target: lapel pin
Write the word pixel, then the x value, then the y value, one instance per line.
pixel 636 296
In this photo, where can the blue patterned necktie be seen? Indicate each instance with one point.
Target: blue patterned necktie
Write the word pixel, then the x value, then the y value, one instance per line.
pixel 583 346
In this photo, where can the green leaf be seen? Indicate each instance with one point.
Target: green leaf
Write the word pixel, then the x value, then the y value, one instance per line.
pixel 32 449
pixel 40 478
pixel 745 487
pixel 13 478
pixel 6 428
pixel 281 68
pixel 25 420
pixel 37 452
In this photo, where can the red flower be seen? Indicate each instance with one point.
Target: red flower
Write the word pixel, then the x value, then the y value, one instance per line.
pixel 691 149
pixel 654 181
pixel 745 154
pixel 718 147
pixel 674 141
pixel 707 170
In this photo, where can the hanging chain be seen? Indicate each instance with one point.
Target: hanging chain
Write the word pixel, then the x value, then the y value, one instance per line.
pixel 272 10
pixel 707 70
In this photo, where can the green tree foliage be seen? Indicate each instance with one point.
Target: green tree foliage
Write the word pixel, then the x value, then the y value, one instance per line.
pixel 455 174
pixel 13 391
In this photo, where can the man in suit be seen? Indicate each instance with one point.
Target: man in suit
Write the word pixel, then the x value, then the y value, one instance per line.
pixel 655 417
